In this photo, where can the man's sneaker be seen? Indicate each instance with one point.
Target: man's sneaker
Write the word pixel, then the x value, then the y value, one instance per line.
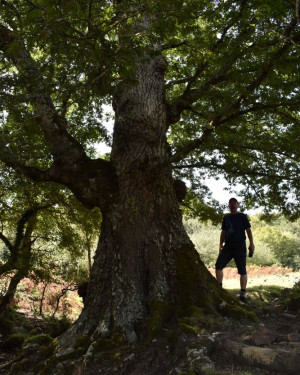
pixel 243 296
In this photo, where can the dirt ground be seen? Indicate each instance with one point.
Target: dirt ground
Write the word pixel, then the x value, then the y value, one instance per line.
pixel 183 353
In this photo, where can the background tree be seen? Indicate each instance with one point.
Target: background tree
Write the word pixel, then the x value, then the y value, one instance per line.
pixel 19 258
pixel 197 87
pixel 282 238
pixel 46 242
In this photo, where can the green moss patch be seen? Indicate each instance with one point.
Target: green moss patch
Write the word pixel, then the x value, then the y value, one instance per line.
pixel 42 339
pixel 237 312
pixel 190 330
pixel 194 284
pixel 107 344
pixel 82 342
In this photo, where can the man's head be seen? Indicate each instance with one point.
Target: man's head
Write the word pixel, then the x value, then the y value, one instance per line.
pixel 233 205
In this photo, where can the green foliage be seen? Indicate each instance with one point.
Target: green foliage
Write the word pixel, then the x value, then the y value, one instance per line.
pixel 41 339
pixel 276 242
pixel 232 67
pixel 205 237
pixel 282 238
pixel 292 298
pixel 82 342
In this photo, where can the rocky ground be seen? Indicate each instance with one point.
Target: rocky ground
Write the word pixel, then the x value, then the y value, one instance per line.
pixel 198 347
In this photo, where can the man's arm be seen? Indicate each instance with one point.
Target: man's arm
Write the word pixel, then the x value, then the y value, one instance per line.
pixel 249 234
pixel 222 239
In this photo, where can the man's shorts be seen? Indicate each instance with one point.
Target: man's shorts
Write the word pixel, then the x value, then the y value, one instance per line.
pixel 238 252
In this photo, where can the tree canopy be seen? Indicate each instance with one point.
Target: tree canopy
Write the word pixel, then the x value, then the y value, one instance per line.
pixel 231 87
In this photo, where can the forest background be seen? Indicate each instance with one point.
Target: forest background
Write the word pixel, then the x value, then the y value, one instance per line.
pixel 62 261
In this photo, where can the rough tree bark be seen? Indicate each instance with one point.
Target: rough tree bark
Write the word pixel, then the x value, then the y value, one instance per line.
pixel 146 269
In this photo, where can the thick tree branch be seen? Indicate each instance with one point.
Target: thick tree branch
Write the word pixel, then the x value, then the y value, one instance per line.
pixel 9 159
pixel 233 108
pixel 6 241
pixel 237 148
pixel 234 21
pixel 35 6
pixel 190 96
pixel 72 168
pixel 188 147
pixel 173 45
pixel 236 171
pixel 52 125
pixel 93 182
pixel 260 107
pixel 90 20
pixel 177 82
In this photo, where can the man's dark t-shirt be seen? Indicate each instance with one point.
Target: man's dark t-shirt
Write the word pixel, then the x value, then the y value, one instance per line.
pixel 235 226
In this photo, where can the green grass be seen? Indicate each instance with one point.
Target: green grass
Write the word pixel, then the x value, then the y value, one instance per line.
pixel 261 296
pixel 285 281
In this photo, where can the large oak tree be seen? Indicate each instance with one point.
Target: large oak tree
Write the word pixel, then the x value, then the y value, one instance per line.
pixel 197 87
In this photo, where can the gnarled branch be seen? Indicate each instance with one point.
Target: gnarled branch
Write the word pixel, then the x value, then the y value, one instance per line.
pixel 52 124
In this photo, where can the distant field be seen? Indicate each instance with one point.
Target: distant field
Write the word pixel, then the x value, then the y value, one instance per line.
pixel 257 276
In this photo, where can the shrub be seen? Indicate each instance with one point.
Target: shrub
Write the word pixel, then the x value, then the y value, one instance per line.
pixel 292 299
pixel 42 339
pixel 58 326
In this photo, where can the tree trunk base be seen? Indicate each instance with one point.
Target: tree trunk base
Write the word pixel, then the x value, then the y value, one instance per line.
pixel 177 351
pixel 114 355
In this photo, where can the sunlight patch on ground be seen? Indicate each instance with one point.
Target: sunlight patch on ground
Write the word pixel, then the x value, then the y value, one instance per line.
pixel 285 281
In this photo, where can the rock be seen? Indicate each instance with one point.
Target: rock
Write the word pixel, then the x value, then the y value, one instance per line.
pixel 204 341
pixel 264 336
pixel 198 360
pixel 201 364
pixel 290 316
pixel 279 360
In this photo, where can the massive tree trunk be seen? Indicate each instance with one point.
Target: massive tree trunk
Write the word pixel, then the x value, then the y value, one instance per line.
pixel 146 269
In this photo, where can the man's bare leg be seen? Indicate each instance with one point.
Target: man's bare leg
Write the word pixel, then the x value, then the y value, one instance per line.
pixel 243 281
pixel 219 276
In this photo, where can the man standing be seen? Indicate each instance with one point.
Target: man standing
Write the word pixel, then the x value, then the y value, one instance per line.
pixel 234 226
